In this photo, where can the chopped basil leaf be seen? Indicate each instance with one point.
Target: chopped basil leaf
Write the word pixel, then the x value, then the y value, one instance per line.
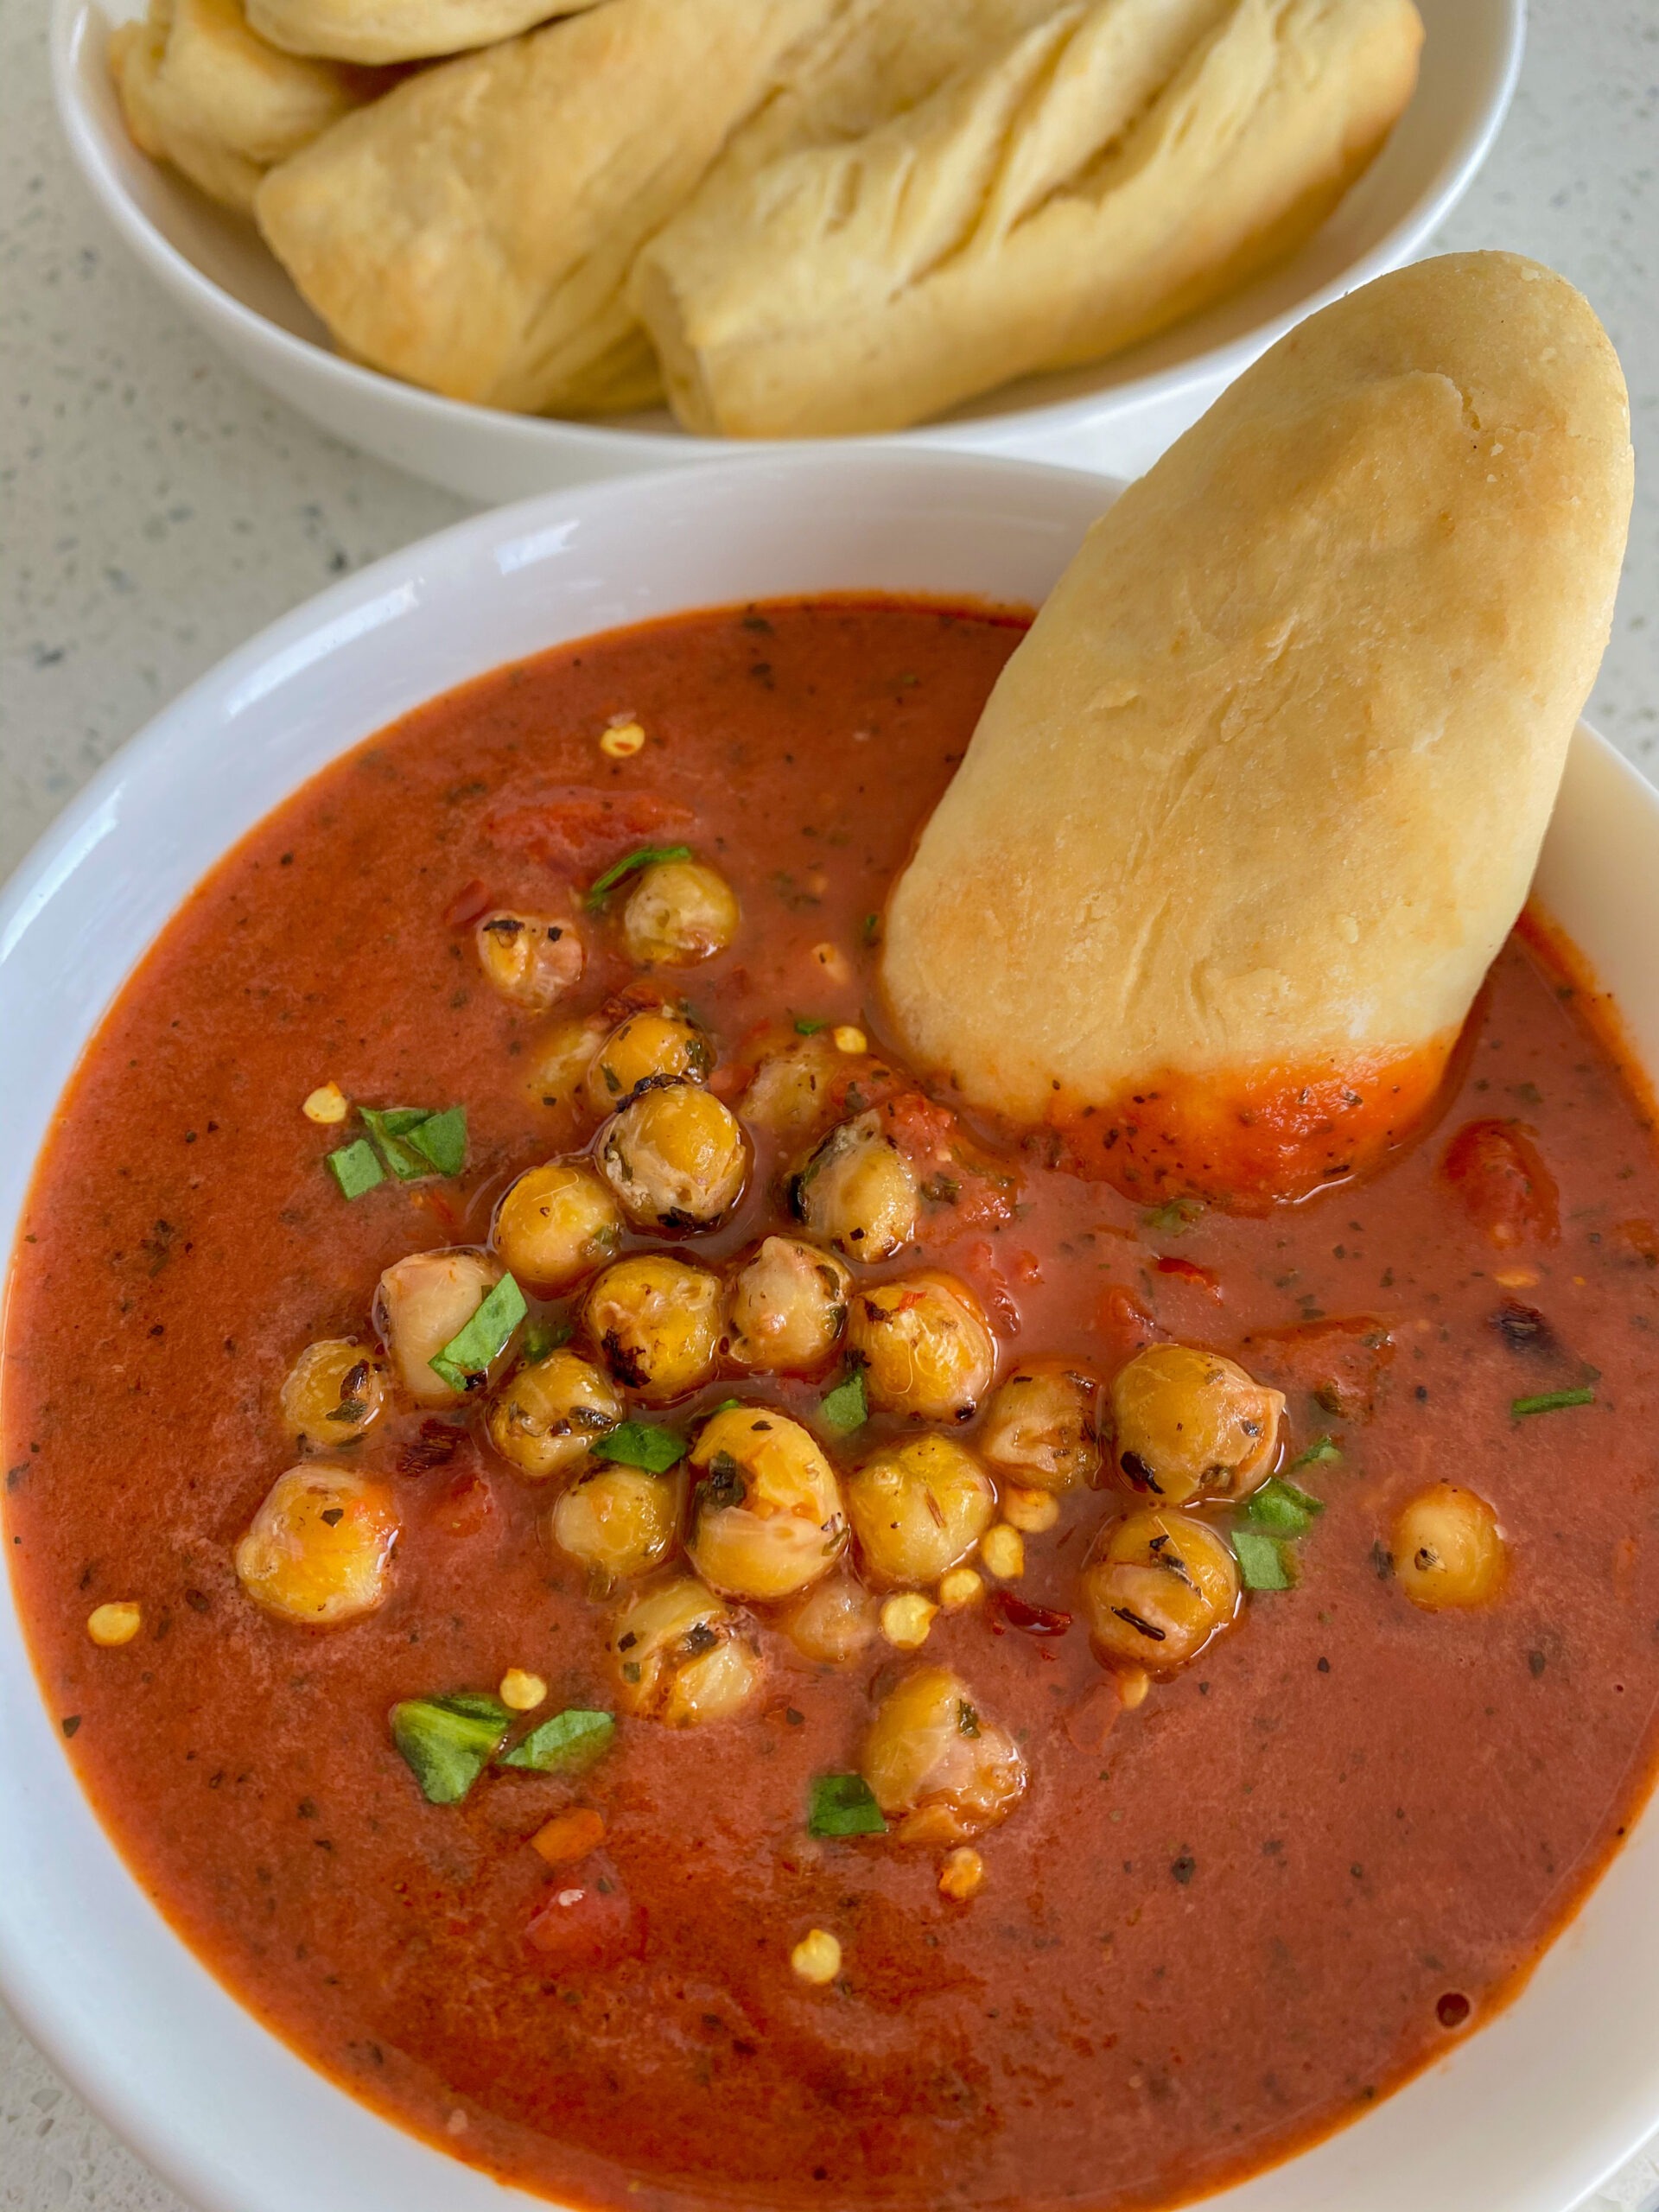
pixel 1320 1450
pixel 806 1027
pixel 640 1444
pixel 647 857
pixel 846 1408
pixel 388 1127
pixel 727 1406
pixel 543 1337
pixel 441 1140
pixel 476 1705
pixel 1552 1401
pixel 355 1168
pixel 465 1359
pixel 1173 1217
pixel 1281 1506
pixel 415 1141
pixel 1261 1563
pixel 567 1744
pixel 842 1805
pixel 871 928
pixel 448 1741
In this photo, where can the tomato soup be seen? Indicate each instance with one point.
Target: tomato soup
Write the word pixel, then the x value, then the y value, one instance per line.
pixel 611 1668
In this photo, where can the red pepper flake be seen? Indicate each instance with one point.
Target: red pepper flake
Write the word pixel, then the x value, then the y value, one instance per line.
pixel 469 906
pixel 466 1506
pixel 435 1446
pixel 1020 1613
pixel 1124 1324
pixel 1189 1271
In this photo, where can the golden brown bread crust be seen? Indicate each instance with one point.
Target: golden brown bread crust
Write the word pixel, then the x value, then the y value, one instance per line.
pixel 1114 165
pixel 1260 794
pixel 473 231
pixel 200 90
pixel 398 30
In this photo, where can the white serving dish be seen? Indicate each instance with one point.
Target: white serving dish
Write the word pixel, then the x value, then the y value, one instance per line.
pixel 1528 2115
pixel 1115 418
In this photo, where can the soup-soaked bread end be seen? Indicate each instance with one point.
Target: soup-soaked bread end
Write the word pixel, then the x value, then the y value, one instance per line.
pixel 1255 804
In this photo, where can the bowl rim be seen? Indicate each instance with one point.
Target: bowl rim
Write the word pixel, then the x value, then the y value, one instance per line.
pixel 176 738
pixel 72 22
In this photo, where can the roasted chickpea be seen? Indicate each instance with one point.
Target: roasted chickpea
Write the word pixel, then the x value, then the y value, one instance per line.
pixel 767 1514
pixel 927 1348
pixel 1191 1424
pixel 657 1320
pixel 319 1549
pixel 556 1066
pixel 557 1223
pixel 421 1303
pixel 681 1656
pixel 938 1764
pixel 675 1158
pixel 680 912
pixel 786 1308
pixel 794 1088
pixel 1160 1586
pixel 1039 1427
pixel 655 1042
pixel 834 1622
pixel 546 1414
pixel 859 1192
pixel 335 1390
pixel 1447 1550
pixel 618 1522
pixel 531 959
pixel 919 1507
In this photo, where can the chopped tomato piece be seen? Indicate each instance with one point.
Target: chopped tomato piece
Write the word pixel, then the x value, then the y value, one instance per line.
pixel 1092 1719
pixel 979 1265
pixel 581 1925
pixel 1339 1363
pixel 466 1506
pixel 578 827
pixel 1500 1173
pixel 469 906
pixel 962 1188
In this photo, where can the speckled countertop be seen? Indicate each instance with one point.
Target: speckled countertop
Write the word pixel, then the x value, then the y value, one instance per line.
pixel 156 510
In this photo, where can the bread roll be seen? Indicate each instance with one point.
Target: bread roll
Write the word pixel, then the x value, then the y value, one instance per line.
pixel 1257 799
pixel 472 232
pixel 199 89
pixel 398 30
pixel 1114 165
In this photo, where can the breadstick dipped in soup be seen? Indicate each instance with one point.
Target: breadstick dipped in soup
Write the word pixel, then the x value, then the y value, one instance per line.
pixel 1256 801
pixel 843 1663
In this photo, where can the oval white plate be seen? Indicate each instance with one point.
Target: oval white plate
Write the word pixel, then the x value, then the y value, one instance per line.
pixel 1527 2116
pixel 1116 417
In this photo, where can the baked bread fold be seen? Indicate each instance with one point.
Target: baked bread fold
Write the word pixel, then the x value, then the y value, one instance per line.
pixel 398 30
pixel 1257 799
pixel 200 90
pixel 474 230
pixel 1115 165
